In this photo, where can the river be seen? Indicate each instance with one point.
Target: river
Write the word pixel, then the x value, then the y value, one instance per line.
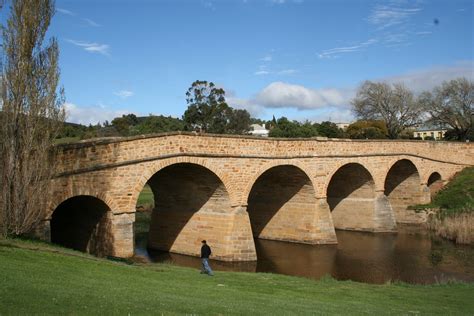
pixel 412 255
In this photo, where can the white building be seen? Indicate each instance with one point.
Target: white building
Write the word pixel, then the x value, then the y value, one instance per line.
pixel 434 132
pixel 343 126
pixel 258 130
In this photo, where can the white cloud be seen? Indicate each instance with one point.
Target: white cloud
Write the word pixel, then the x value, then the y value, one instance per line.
pixel 287 72
pixel 394 22
pixel 335 52
pixel 426 79
pixel 92 47
pixel 267 58
pixel 424 33
pixel 334 103
pixel 331 114
pixel 64 11
pixel 285 95
pixel 285 1
pixel 261 73
pixel 238 103
pixel 91 22
pixel 396 38
pixel 385 16
pixel 209 4
pixel 393 28
pixel 124 93
pixel 91 114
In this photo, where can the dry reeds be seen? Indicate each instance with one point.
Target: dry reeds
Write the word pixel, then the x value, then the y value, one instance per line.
pixel 459 227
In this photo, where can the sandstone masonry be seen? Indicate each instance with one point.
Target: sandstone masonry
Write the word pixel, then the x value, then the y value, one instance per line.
pixel 229 190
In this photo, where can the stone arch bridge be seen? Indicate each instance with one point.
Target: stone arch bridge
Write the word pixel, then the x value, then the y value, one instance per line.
pixel 230 189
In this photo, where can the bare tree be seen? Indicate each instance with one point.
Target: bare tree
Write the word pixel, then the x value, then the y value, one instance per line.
pixel 31 114
pixel 394 104
pixel 452 104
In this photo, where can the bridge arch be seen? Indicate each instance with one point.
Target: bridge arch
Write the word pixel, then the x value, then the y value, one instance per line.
pixel 434 183
pixel 403 188
pixel 351 197
pixel 151 169
pixel 192 203
pixel 282 204
pixel 57 199
pixel 276 163
pixel 83 223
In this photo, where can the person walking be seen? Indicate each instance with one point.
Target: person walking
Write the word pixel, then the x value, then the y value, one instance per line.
pixel 205 253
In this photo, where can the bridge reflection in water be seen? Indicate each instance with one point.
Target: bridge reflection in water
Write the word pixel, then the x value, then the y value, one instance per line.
pixel 409 256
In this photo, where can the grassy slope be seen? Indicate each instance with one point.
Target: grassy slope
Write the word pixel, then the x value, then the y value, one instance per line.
pixel 52 280
pixel 66 140
pixel 458 195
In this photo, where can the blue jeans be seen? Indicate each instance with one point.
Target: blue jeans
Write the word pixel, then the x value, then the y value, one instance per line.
pixel 205 266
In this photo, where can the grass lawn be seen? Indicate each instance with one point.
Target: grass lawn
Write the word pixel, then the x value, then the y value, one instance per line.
pixel 43 279
pixel 64 140
pixel 457 196
pixel 143 216
pixel 454 219
pixel 145 199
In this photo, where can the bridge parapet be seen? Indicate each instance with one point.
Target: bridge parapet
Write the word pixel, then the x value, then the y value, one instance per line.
pixel 119 151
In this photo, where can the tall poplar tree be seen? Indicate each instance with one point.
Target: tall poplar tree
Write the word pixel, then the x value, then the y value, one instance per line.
pixel 31 114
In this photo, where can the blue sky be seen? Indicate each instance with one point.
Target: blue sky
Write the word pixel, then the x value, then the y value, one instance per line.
pixel 297 58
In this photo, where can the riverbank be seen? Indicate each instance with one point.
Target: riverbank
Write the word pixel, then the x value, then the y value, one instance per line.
pixel 40 278
pixel 454 218
pixel 457 227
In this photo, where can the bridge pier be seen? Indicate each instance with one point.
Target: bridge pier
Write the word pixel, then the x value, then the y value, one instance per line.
pixel 402 187
pixel 425 196
pixel 228 233
pixel 122 242
pixel 282 205
pixel 305 224
pixel 326 233
pixel 309 223
pixel 384 218
pixel 240 244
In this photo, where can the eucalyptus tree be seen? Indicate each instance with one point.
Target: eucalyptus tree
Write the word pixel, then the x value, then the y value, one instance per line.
pixel 209 112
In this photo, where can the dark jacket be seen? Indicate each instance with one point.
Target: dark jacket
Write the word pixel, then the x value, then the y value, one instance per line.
pixel 205 251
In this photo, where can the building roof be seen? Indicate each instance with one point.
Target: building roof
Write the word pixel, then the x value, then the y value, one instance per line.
pixel 430 128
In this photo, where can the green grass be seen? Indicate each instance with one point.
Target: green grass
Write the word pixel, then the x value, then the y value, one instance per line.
pixel 43 279
pixel 145 199
pixel 141 227
pixel 456 197
pixel 142 222
pixel 66 140
pixel 143 216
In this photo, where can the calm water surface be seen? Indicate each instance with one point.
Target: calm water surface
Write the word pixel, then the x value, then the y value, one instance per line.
pixel 410 256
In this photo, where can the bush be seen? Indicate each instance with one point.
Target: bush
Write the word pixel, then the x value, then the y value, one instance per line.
pixel 367 130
